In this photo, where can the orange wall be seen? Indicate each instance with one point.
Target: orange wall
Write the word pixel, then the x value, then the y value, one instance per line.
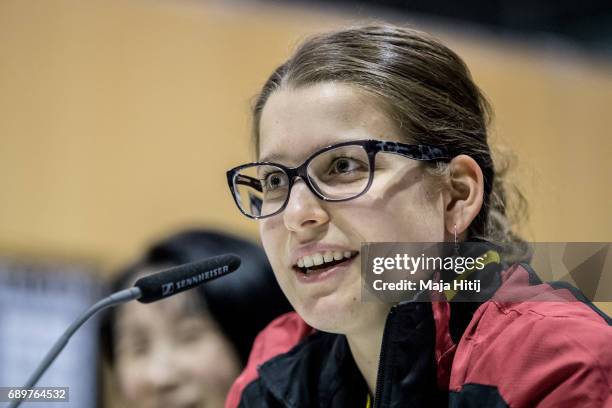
pixel 118 119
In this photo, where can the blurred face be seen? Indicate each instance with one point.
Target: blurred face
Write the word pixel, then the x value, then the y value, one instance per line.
pixel 402 204
pixel 172 354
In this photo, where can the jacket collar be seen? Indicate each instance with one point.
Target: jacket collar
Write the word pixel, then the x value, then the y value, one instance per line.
pixel 418 347
pixel 320 371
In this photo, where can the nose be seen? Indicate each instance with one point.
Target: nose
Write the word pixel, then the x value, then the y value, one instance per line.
pixel 161 374
pixel 305 212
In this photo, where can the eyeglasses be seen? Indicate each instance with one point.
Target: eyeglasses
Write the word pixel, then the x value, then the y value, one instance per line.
pixel 339 172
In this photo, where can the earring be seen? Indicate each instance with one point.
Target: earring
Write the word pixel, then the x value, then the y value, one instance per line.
pixel 456 243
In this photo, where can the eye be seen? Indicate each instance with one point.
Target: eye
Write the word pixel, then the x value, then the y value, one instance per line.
pixel 342 165
pixel 140 348
pixel 134 346
pixel 192 329
pixel 189 334
pixel 275 180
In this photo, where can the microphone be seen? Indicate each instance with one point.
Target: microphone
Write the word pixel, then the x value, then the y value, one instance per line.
pixel 148 289
pixel 180 278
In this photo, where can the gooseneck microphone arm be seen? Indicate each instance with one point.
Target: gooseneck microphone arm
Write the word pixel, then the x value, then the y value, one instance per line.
pixel 115 299
pixel 147 289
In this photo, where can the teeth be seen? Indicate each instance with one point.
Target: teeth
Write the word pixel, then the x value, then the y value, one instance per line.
pixel 320 258
pixel 308 262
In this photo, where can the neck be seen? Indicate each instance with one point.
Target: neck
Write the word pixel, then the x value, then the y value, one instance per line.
pixel 365 347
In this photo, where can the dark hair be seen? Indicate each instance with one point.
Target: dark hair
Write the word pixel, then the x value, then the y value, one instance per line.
pixel 424 86
pixel 242 303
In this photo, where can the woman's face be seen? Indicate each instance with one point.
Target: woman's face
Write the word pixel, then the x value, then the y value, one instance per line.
pixel 403 204
pixel 172 354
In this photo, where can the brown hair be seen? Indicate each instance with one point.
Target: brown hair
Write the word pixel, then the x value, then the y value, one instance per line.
pixel 424 86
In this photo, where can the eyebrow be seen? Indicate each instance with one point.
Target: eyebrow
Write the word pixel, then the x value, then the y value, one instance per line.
pixel 271 158
pixel 278 158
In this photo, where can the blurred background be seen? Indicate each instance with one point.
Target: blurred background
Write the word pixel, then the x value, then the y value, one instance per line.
pixel 119 118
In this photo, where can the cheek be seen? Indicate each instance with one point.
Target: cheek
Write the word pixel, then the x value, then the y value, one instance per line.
pixel 413 215
pixel 273 238
pixel 130 380
pixel 216 365
pixel 270 234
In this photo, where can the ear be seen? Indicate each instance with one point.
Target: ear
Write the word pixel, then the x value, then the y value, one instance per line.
pixel 464 194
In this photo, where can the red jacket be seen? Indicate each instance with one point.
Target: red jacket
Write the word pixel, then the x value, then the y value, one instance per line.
pixel 554 350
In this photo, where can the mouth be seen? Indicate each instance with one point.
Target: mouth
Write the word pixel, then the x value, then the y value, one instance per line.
pixel 318 266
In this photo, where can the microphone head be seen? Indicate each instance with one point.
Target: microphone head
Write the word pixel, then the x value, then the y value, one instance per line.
pixel 184 277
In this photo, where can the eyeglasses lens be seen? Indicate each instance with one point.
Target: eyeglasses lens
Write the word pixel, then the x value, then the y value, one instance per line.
pixel 339 173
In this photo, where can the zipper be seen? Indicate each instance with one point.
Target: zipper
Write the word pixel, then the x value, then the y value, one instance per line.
pixel 380 374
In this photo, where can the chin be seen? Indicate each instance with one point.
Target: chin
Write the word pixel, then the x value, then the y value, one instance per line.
pixel 332 313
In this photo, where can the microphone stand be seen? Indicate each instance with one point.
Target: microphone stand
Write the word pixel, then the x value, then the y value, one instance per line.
pixel 117 298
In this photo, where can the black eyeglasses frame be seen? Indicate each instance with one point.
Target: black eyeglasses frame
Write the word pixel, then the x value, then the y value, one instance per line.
pixel 371 147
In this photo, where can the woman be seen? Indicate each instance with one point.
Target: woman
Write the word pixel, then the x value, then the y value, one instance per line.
pixel 378 133
pixel 186 350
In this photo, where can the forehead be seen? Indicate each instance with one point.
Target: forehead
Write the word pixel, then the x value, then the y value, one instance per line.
pixel 172 309
pixel 298 121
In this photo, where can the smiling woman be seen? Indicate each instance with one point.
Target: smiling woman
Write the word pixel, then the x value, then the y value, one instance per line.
pixel 185 351
pixel 379 134
pixel 326 114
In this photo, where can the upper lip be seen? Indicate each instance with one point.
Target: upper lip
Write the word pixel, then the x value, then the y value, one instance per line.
pixel 311 249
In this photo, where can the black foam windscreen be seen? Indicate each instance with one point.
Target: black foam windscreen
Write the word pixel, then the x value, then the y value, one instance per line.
pixel 184 277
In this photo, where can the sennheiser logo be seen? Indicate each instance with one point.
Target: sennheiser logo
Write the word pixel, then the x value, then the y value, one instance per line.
pixel 167 289
pixel 201 277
